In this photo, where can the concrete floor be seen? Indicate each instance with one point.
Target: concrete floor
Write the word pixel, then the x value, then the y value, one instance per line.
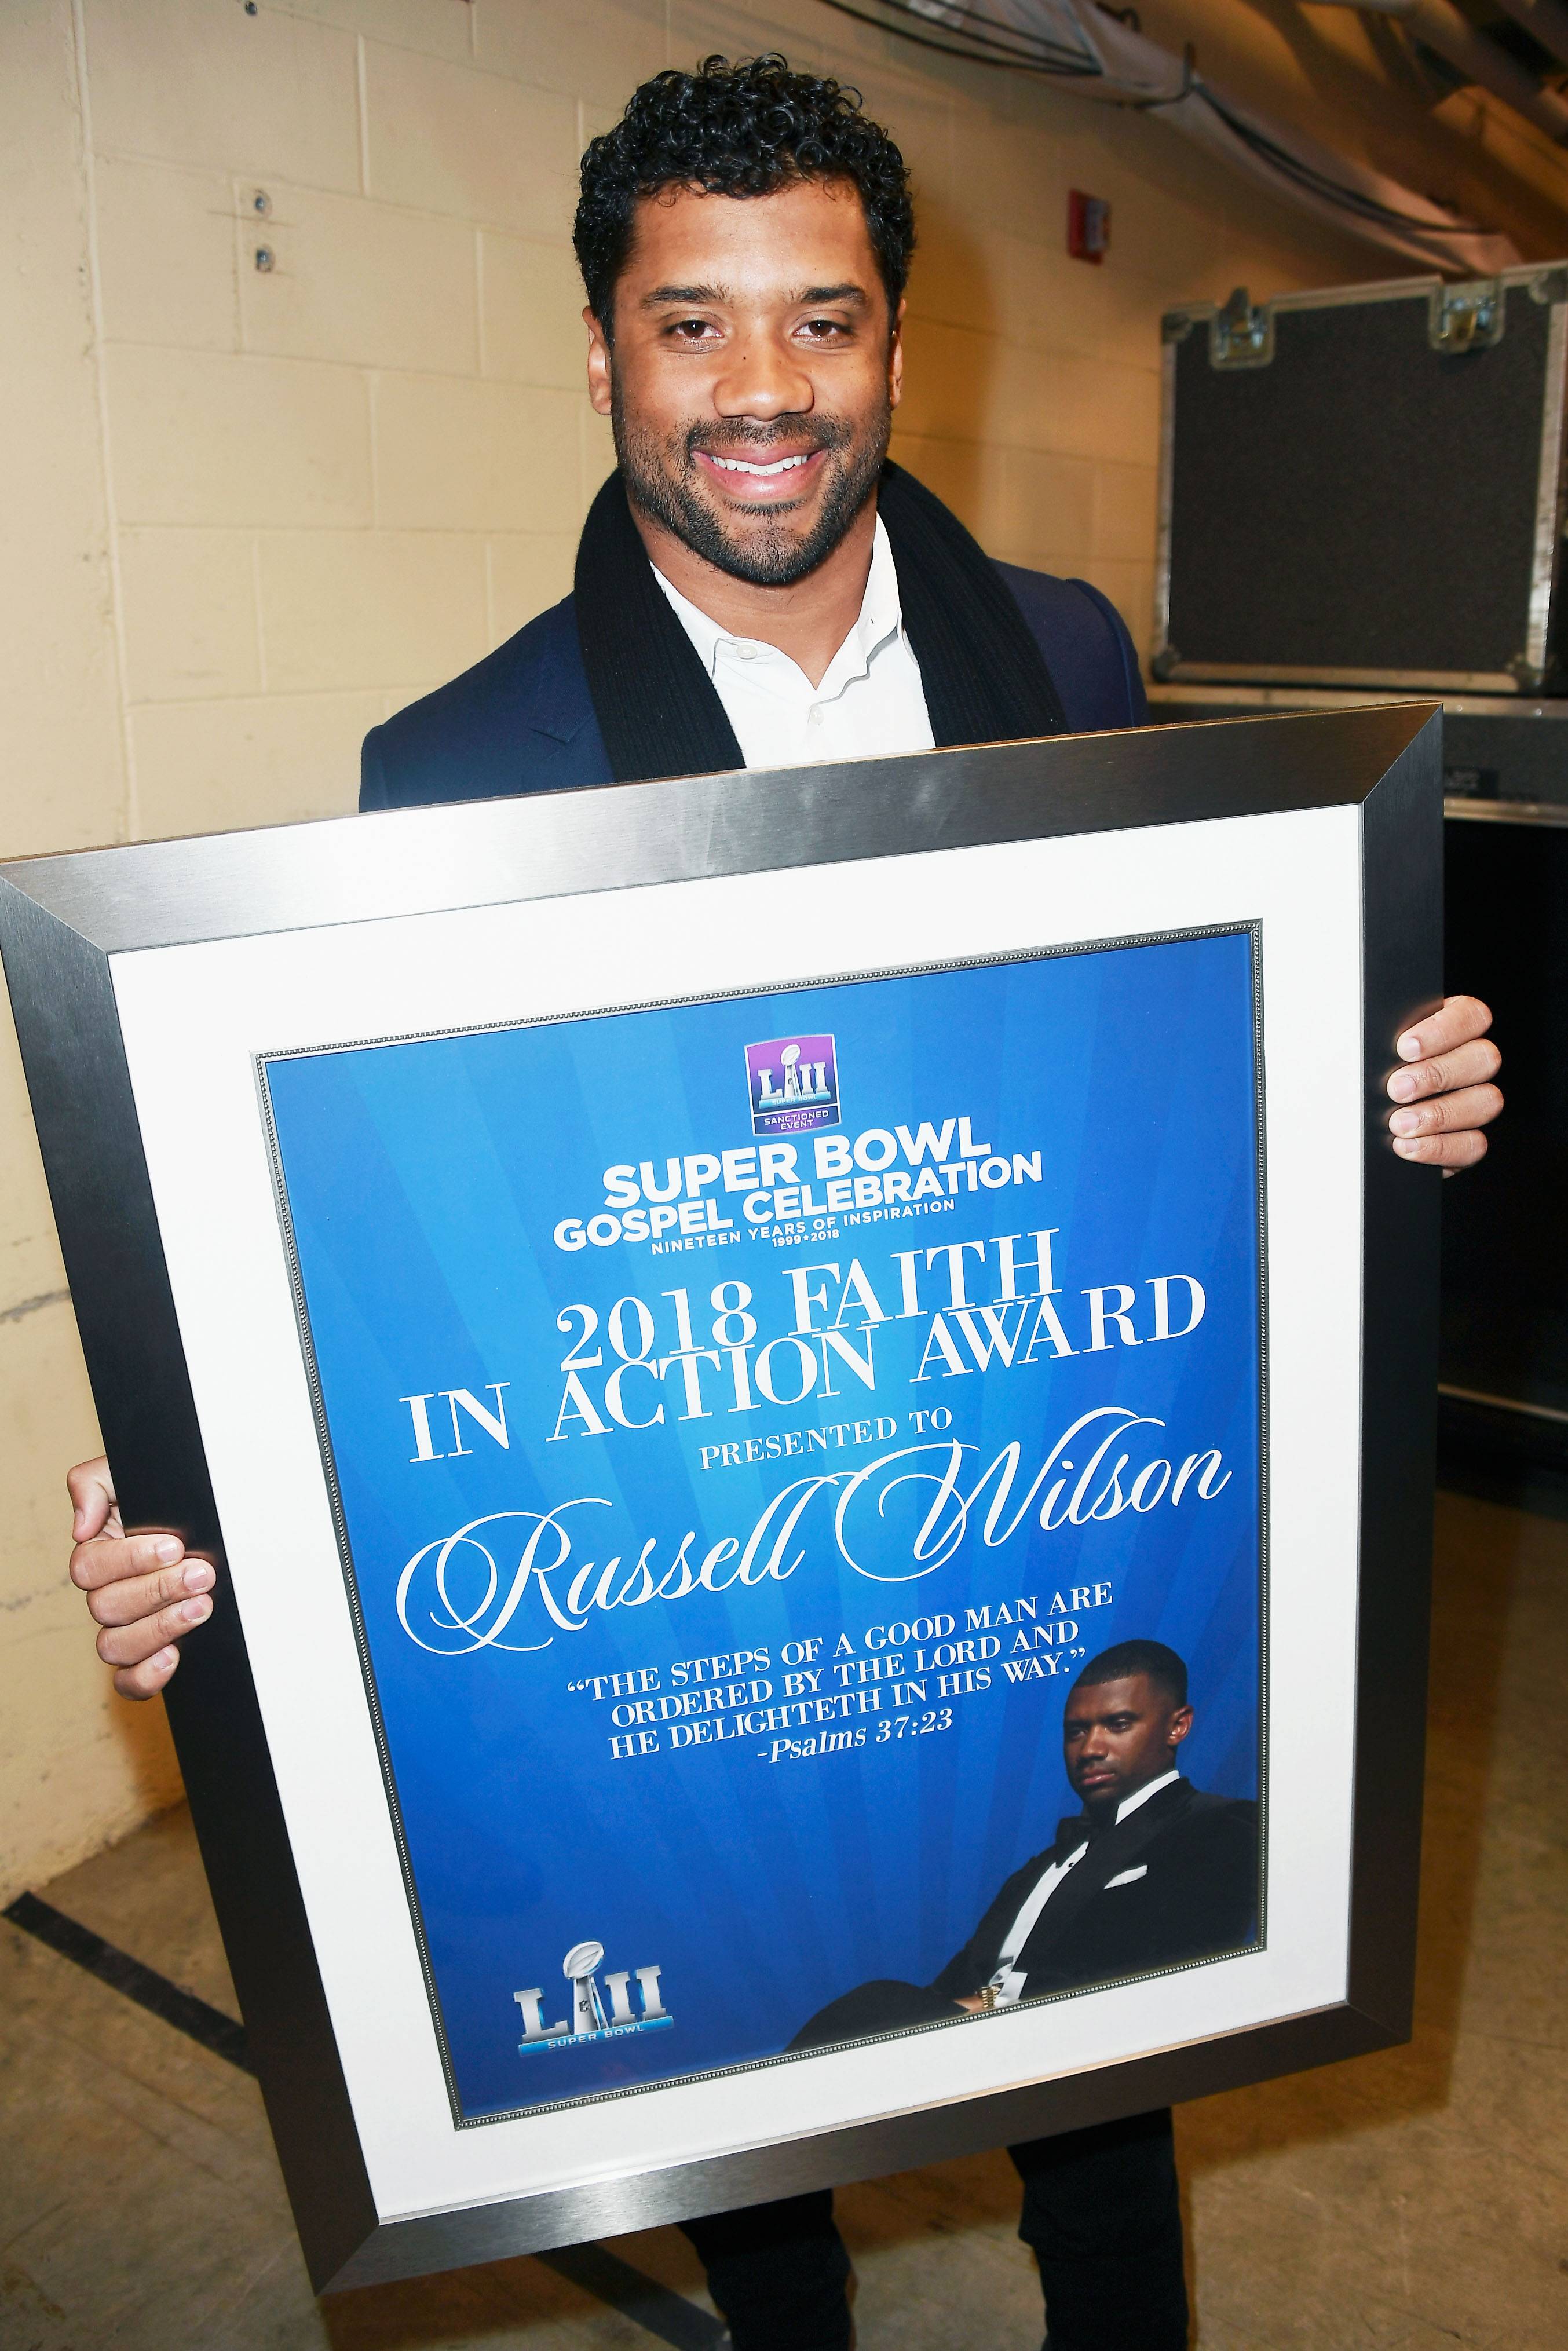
pixel 1418 2198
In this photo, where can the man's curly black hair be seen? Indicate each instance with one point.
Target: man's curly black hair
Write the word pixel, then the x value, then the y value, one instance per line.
pixel 740 129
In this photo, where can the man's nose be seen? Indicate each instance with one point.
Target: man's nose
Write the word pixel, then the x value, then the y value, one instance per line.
pixel 762 379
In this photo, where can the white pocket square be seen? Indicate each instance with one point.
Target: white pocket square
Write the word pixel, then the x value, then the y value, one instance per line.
pixel 1127 1876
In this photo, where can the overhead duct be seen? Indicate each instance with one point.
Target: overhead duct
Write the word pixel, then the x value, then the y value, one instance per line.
pixel 1439 25
pixel 1086 50
pixel 1545 21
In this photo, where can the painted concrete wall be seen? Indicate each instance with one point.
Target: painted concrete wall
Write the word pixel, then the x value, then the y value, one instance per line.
pixel 248 512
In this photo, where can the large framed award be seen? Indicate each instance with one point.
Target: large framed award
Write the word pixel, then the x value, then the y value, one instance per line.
pixel 813 1396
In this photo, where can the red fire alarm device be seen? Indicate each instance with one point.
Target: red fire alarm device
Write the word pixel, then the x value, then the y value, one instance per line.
pixel 1088 226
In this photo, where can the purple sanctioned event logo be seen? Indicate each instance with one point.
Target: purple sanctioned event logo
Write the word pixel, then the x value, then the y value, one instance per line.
pixel 794 1083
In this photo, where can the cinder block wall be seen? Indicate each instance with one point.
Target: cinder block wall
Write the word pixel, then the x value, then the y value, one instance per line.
pixel 250 511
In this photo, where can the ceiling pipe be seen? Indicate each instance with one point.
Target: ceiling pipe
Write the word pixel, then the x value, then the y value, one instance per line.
pixel 1077 46
pixel 1440 25
pixel 1545 21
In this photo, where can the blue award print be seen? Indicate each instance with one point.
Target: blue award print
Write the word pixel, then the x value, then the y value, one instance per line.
pixel 799 1461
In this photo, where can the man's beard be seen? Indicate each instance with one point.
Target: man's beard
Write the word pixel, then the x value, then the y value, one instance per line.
pixel 659 478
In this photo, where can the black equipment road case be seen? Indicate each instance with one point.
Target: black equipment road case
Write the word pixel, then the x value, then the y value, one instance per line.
pixel 1363 485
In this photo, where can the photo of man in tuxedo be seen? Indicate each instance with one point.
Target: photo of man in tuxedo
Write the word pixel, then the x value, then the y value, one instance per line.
pixel 1151 1872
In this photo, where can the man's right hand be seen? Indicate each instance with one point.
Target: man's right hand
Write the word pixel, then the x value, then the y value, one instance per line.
pixel 141 1589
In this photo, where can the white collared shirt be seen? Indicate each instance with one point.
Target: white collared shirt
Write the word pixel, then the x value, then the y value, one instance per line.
pixel 871 701
pixel 1008 1982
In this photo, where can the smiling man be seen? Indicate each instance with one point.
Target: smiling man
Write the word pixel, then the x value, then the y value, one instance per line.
pixel 757 586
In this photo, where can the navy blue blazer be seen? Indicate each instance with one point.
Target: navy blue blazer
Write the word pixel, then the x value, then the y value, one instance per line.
pixel 522 720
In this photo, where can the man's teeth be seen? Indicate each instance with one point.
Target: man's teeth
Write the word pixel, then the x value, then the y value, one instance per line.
pixel 740 465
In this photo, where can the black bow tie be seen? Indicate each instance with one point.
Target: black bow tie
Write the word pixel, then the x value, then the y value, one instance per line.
pixel 1084 1829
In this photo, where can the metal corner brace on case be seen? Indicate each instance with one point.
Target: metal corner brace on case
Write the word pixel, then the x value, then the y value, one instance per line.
pixel 1468 317
pixel 1240 335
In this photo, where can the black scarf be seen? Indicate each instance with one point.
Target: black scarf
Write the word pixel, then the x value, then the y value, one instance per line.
pixel 984 678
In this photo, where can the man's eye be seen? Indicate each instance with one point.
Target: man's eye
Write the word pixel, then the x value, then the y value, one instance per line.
pixel 823 330
pixel 690 330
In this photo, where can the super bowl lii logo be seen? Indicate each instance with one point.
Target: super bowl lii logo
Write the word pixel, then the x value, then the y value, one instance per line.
pixel 588 2020
pixel 794 1084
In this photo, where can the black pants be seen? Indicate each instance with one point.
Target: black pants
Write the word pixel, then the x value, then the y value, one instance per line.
pixel 1100 2213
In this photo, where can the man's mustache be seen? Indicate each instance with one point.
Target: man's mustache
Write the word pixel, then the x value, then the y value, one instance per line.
pixel 743 439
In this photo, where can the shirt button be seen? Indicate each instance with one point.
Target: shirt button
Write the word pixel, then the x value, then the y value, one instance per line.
pixel 815 719
pixel 746 653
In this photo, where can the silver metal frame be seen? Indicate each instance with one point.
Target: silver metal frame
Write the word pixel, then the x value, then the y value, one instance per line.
pixel 1165 494
pixel 1246 700
pixel 1413 682
pixel 1464 810
pixel 1503 1403
pixel 1548 497
pixel 1548 283
pixel 1461 706
pixel 61 920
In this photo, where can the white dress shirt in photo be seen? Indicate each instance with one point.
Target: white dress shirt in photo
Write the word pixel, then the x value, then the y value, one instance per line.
pixel 1008 1983
pixel 870 703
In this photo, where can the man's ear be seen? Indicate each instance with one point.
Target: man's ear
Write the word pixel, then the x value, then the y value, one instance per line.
pixel 600 366
pixel 1180 1724
pixel 896 356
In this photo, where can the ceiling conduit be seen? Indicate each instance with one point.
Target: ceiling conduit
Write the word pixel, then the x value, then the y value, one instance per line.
pixel 1439 26
pixel 1085 49
pixel 1546 21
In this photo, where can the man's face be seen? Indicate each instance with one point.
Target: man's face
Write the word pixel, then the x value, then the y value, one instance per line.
pixel 754 373
pixel 1118 1736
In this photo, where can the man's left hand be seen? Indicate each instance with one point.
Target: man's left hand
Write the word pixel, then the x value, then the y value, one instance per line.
pixel 1444 1090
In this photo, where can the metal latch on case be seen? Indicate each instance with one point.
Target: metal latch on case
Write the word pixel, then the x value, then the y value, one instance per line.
pixel 1467 318
pixel 1240 335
